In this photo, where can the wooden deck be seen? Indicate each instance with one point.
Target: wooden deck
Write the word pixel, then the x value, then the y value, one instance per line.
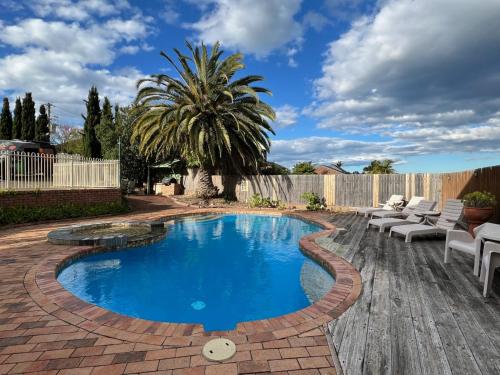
pixel 416 315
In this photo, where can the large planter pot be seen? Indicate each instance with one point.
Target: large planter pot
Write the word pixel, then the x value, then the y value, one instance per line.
pixel 476 216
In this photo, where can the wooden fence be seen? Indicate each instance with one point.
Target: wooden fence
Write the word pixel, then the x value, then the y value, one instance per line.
pixel 346 191
pixel 30 171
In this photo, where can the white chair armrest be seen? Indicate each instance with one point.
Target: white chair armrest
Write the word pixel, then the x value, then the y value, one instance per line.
pixel 459 235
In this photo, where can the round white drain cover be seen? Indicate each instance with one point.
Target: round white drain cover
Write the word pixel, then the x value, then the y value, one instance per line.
pixel 219 349
pixel 198 305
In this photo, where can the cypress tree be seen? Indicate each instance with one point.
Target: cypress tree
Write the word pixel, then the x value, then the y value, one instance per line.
pixel 106 132
pixel 91 145
pixel 17 124
pixel 6 121
pixel 42 126
pixel 28 118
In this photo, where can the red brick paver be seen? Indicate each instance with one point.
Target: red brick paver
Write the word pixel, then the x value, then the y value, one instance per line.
pixel 45 329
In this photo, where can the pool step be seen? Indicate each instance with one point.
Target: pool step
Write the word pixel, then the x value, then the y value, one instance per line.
pixel 197 218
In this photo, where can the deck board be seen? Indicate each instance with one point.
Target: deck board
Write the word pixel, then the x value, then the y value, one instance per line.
pixel 416 315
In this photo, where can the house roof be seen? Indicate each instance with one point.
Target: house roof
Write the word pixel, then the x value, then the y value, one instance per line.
pixel 332 167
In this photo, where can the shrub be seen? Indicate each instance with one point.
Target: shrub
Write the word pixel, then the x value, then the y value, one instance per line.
pixel 257 201
pixel 314 203
pixel 26 214
pixel 479 199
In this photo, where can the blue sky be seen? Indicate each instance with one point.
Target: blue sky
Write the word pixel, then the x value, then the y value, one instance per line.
pixel 412 80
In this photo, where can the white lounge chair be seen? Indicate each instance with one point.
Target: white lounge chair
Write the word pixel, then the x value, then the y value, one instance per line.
pixel 413 218
pixel 393 202
pixel 407 210
pixel 491 261
pixel 451 214
pixel 463 241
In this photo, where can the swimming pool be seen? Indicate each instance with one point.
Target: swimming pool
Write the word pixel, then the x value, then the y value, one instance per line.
pixel 216 270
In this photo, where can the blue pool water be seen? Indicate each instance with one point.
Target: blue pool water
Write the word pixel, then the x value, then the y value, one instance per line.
pixel 214 270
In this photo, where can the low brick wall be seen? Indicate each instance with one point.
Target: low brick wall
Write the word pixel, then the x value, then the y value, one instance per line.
pixel 48 198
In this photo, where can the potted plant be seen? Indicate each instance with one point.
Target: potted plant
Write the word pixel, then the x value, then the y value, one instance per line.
pixel 479 207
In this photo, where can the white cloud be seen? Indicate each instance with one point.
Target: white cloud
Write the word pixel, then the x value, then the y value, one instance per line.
pixel 328 150
pixel 77 10
pixel 315 20
pixel 59 60
pixel 169 14
pixel 422 73
pixel 256 27
pixel 286 115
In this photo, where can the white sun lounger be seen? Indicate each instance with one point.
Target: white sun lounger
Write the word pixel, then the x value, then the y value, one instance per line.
pixel 390 205
pixel 491 261
pixel 407 210
pixel 388 222
pixel 451 214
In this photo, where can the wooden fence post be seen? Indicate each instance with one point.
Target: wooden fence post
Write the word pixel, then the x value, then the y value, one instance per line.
pixel 427 186
pixel 329 189
pixel 375 189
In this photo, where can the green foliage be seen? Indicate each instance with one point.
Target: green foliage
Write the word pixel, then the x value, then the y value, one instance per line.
pixel 304 167
pixel 479 199
pixel 204 113
pixel 68 140
pixel 28 118
pixel 271 168
pixel 17 124
pixel 380 167
pixel 24 214
pixel 6 121
pixel 132 163
pixel 257 201
pixel 106 132
pixel 314 203
pixel 42 132
pixel 91 145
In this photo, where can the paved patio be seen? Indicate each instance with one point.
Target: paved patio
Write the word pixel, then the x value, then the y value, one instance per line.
pixel 37 335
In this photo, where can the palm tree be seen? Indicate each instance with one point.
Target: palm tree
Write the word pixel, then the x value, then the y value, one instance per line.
pixel 380 167
pixel 205 115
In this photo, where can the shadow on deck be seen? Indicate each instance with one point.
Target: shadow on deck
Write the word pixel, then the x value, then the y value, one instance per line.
pixel 416 315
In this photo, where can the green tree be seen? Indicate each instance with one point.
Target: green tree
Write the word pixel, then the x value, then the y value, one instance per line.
pixel 28 118
pixel 42 133
pixel 17 124
pixel 206 114
pixel 91 145
pixel 304 167
pixel 68 140
pixel 132 163
pixel 106 132
pixel 271 168
pixel 380 167
pixel 6 121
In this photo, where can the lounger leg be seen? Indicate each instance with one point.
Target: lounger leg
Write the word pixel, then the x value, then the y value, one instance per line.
pixel 390 232
pixel 447 254
pixel 488 281
pixel 381 229
pixel 490 274
pixel 477 262
pixel 408 238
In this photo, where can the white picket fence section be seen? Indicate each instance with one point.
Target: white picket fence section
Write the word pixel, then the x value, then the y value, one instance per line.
pixel 28 171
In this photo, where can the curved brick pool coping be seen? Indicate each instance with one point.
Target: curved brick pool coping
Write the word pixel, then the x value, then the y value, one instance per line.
pixel 42 285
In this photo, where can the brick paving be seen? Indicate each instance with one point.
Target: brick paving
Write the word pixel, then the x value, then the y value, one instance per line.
pixel 46 330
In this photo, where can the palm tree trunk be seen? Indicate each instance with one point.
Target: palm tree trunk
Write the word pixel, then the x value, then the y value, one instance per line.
pixel 206 188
